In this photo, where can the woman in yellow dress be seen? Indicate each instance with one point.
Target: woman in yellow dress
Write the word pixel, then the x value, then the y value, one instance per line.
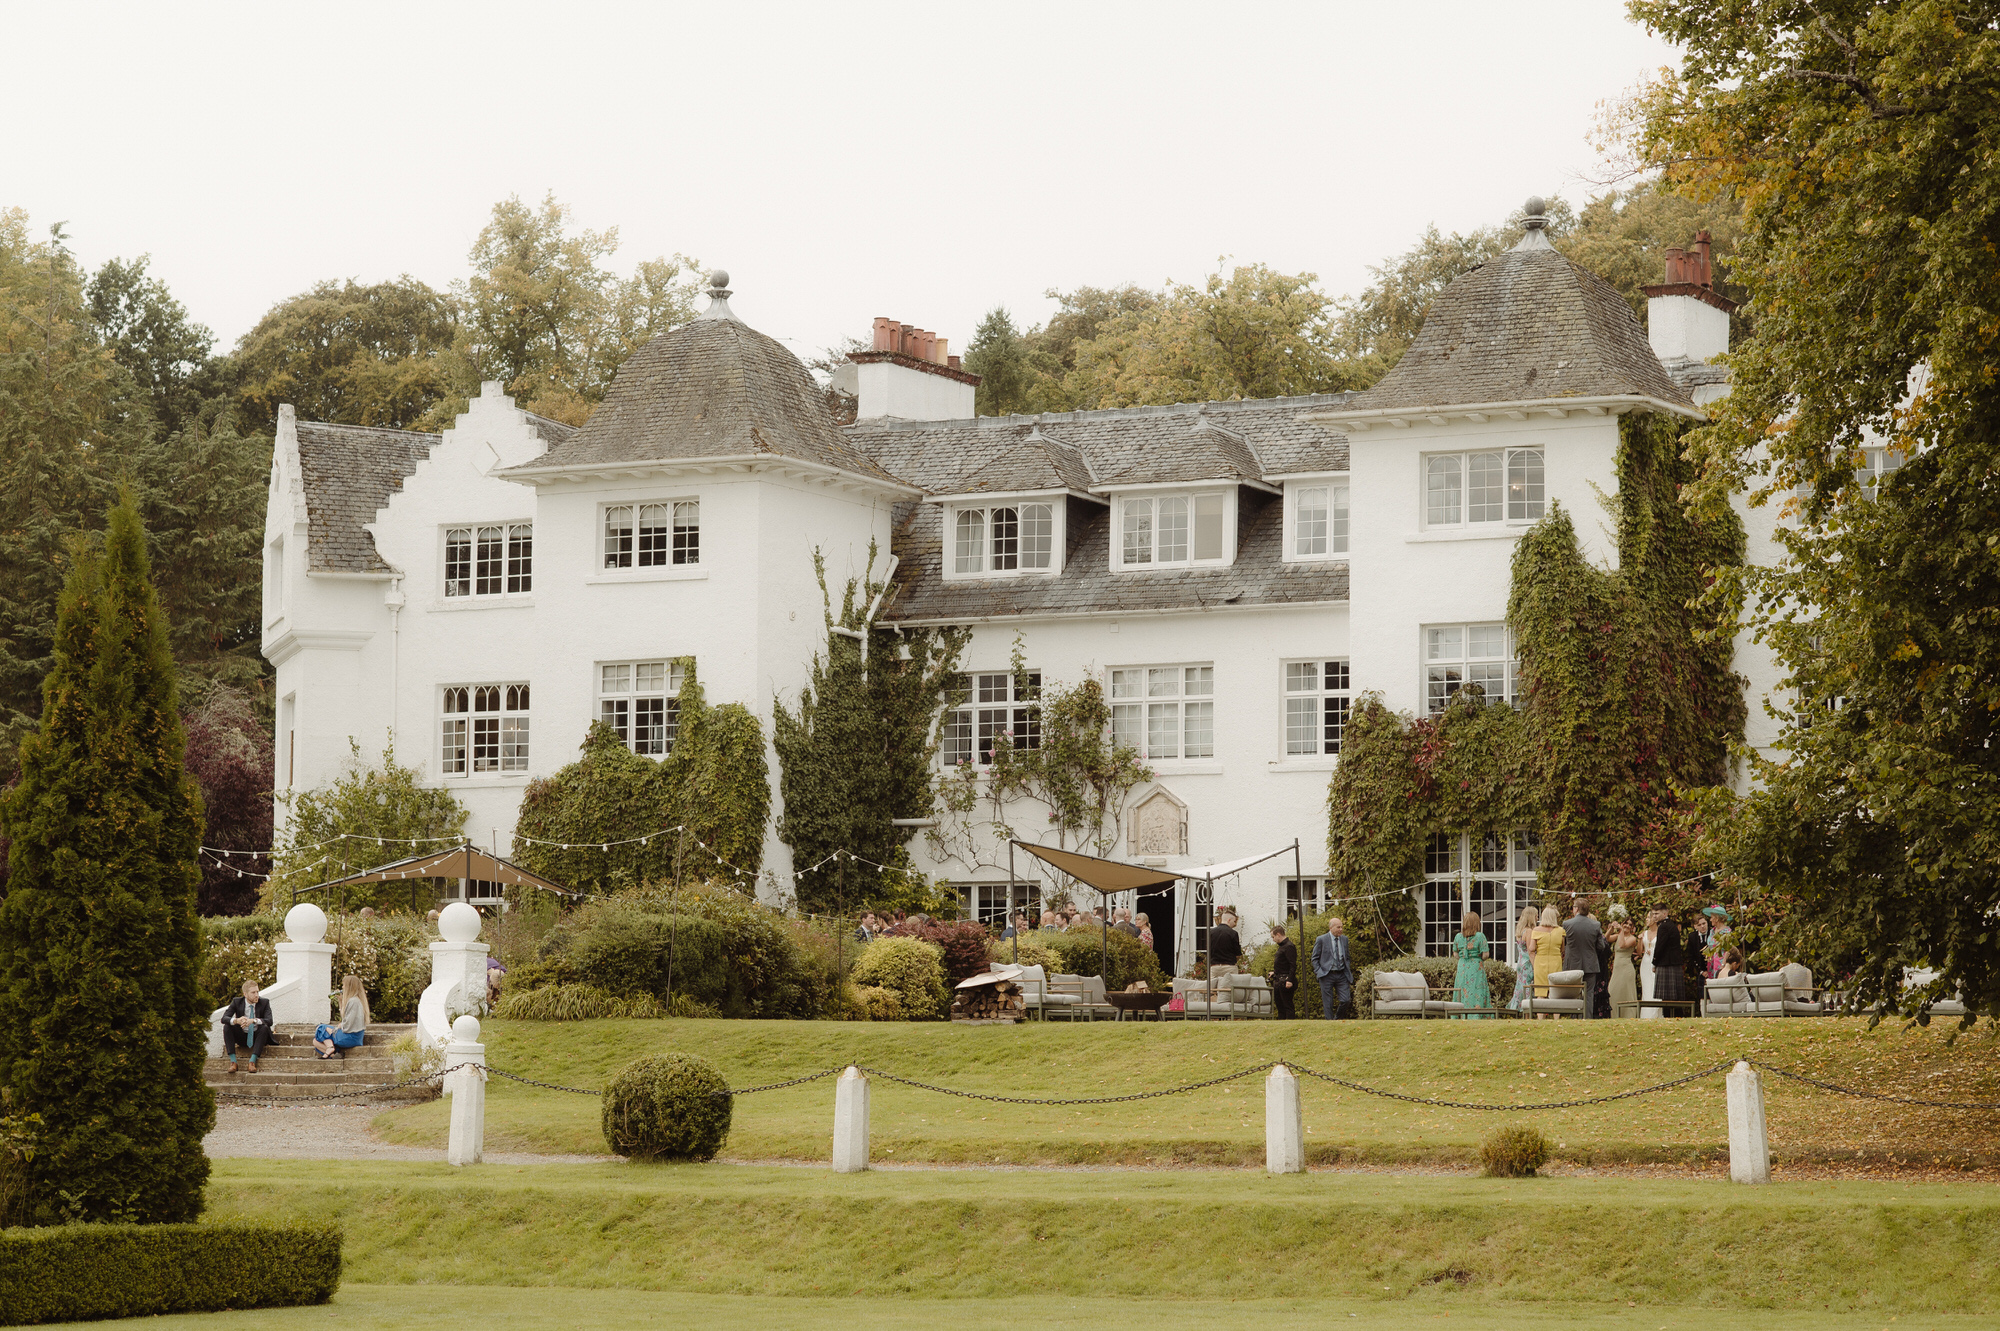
pixel 1548 950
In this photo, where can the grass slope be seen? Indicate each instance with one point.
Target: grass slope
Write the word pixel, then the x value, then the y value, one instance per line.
pixel 1482 1062
pixel 713 1230
pixel 416 1308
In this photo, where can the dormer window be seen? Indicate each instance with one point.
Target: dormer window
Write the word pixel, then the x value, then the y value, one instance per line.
pixel 1496 485
pixel 1003 538
pixel 1319 520
pixel 1172 531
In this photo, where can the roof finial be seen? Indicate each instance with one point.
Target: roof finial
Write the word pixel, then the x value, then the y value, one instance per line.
pixel 1534 220
pixel 718 297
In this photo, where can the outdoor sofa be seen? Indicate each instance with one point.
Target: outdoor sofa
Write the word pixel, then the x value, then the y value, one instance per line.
pixel 1785 992
pixel 1409 994
pixel 1230 996
pixel 1565 997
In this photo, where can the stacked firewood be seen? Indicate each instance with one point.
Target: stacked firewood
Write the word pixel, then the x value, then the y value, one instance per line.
pixel 1001 1001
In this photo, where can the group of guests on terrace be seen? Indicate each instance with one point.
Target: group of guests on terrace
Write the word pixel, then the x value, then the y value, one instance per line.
pixel 1666 959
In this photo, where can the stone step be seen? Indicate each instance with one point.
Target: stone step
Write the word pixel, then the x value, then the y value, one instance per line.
pixel 372 1065
pixel 330 1080
pixel 239 1090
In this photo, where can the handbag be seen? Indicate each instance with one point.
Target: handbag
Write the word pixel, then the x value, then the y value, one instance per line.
pixel 1178 1003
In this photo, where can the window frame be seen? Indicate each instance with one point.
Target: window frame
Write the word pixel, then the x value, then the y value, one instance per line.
pixel 510 567
pixel 994 703
pixel 1510 663
pixel 1324 713
pixel 461 709
pixel 1192 497
pixel 985 510
pixel 1453 883
pixel 668 549
pixel 1136 718
pixel 1338 521
pixel 674 675
pixel 1462 459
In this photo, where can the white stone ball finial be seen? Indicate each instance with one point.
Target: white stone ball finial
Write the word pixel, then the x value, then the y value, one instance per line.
pixel 1535 215
pixel 305 923
pixel 718 278
pixel 465 1030
pixel 459 923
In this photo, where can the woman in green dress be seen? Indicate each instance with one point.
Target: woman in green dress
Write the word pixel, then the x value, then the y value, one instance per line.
pixel 1470 949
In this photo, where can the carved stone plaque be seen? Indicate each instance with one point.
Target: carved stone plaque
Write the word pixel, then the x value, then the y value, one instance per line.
pixel 1158 825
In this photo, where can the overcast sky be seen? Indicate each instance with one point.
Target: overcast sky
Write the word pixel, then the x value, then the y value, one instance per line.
pixel 840 160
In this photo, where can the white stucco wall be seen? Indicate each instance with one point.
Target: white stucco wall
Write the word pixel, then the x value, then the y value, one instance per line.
pixel 888 389
pixel 1405 576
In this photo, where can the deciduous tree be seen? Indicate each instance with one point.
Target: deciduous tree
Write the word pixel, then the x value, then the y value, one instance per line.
pixel 1864 142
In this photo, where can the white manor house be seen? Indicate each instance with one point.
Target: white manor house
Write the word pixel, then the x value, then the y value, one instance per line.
pixel 1232 572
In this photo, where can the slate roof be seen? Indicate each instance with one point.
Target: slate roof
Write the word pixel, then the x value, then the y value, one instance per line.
pixel 548 431
pixel 1089 450
pixel 711 388
pixel 1691 374
pixel 1525 325
pixel 1088 586
pixel 349 472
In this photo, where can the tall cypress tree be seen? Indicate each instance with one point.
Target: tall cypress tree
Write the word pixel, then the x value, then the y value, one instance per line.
pixel 101 1029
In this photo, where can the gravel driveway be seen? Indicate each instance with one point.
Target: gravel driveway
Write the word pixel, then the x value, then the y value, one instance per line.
pixel 333 1132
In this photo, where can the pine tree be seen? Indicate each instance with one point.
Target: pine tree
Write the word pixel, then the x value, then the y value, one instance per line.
pixel 101 1029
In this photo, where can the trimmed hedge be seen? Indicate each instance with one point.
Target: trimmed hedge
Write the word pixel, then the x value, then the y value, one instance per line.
pixel 910 968
pixel 1082 951
pixel 88 1273
pixel 674 1107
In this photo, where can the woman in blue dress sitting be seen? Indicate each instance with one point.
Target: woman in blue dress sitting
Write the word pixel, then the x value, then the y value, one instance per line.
pixel 353 1027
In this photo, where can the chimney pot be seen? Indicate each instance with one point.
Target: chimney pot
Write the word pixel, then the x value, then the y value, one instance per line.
pixel 1704 273
pixel 953 362
pixel 940 351
pixel 884 335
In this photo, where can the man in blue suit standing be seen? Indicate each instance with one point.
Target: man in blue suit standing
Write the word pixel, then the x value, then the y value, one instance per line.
pixel 1334 965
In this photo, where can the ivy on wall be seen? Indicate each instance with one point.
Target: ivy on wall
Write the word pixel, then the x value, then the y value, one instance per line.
pixel 714 783
pixel 857 751
pixel 1628 701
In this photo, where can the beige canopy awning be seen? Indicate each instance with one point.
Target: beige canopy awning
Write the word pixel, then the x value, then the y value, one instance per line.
pixel 462 861
pixel 1104 875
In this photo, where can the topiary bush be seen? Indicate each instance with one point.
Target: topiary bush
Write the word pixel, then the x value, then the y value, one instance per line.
pixel 910 967
pixel 880 1004
pixel 1082 952
pixel 1515 1152
pixel 674 1107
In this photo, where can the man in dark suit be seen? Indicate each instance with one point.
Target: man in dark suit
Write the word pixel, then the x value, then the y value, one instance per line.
pixel 1225 949
pixel 1333 963
pixel 1284 975
pixel 247 1022
pixel 1581 939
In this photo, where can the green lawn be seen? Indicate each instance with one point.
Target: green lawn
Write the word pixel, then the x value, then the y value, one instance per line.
pixel 1486 1062
pixel 1588 1246
pixel 393 1308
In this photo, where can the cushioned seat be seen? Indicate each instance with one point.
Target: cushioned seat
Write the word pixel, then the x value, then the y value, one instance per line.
pixel 1565 996
pixel 1767 994
pixel 1400 994
pixel 1801 999
pixel 1726 998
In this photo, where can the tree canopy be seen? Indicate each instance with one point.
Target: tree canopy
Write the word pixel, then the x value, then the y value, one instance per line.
pixel 1863 140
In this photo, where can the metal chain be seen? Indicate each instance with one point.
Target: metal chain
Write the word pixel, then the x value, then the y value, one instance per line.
pixel 1097 1100
pixel 545 1085
pixel 796 1081
pixel 1556 1104
pixel 1873 1095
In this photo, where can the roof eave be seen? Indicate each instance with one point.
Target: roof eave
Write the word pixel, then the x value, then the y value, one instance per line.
pixel 987 496
pixel 1115 488
pixel 945 621
pixel 1403 417
pixel 734 462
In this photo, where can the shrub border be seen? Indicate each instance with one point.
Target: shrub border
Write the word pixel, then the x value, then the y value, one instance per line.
pixel 87 1273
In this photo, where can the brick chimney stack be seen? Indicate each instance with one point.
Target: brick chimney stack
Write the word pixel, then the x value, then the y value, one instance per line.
pixel 909 373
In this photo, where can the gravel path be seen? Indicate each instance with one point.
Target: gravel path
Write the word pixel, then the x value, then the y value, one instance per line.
pixel 334 1132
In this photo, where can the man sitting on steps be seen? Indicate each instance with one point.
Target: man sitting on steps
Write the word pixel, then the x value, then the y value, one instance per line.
pixel 247 1021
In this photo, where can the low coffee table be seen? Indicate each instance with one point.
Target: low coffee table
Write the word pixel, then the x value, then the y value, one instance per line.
pixel 1690 1006
pixel 1138 1005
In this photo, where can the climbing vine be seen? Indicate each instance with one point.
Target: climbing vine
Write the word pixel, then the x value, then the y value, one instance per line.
pixel 1074 772
pixel 857 751
pixel 714 784
pixel 1628 702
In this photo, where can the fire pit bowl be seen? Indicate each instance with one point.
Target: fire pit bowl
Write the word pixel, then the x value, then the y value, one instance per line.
pixel 1137 1006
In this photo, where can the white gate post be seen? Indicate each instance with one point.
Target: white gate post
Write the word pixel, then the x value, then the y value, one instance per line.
pixel 468 1102
pixel 1749 1146
pixel 1284 1132
pixel 850 1122
pixel 305 968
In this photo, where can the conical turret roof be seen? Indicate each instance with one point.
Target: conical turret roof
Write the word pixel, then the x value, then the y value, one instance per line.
pixel 1527 325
